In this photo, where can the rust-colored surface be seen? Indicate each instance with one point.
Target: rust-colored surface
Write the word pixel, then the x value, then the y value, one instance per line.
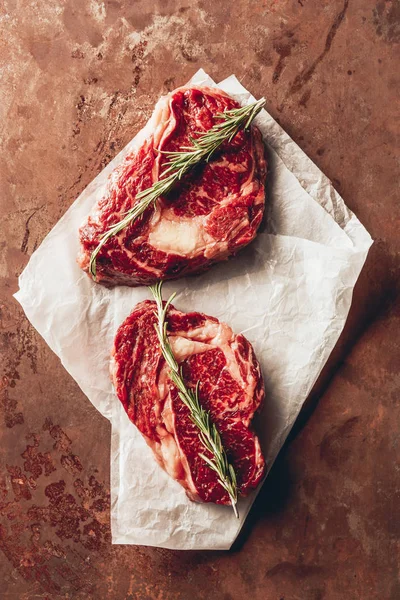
pixel 79 78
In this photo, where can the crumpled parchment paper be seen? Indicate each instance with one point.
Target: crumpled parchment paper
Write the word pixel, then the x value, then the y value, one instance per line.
pixel 289 292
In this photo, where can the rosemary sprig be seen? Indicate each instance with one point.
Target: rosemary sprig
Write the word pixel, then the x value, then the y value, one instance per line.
pixel 208 433
pixel 180 162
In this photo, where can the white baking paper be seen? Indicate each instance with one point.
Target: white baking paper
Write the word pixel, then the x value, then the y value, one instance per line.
pixel 289 292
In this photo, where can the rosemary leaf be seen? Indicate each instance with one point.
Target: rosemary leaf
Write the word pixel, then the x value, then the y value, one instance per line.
pixel 208 433
pixel 180 162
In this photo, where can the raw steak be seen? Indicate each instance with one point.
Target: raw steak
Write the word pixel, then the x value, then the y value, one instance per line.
pixel 231 388
pixel 213 212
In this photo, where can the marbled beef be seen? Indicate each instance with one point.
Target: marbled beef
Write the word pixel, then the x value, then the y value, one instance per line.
pixel 213 212
pixel 231 388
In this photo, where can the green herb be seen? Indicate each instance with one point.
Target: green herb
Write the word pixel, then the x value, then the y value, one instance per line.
pixel 208 433
pixel 179 163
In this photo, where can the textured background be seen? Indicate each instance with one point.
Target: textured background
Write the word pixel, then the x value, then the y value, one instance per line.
pixel 78 79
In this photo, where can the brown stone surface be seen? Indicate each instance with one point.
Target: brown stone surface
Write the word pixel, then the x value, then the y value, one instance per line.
pixel 78 79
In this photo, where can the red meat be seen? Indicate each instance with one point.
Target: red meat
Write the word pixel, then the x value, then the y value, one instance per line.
pixel 209 215
pixel 231 389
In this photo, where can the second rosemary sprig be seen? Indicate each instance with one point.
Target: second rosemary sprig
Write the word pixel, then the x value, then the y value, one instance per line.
pixel 208 433
pixel 180 162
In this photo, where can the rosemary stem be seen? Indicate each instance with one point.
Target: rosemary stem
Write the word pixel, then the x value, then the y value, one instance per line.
pixel 208 433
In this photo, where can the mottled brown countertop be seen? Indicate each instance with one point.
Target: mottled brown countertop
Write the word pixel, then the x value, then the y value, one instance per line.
pixel 79 78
